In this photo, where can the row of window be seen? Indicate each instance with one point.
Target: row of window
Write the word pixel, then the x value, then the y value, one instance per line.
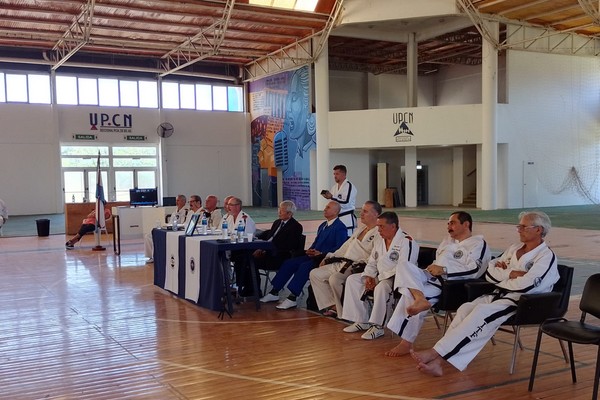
pixel 109 92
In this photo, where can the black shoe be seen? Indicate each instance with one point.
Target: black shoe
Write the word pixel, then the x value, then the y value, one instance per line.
pixel 69 246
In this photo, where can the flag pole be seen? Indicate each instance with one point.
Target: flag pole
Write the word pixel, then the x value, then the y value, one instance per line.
pixel 100 219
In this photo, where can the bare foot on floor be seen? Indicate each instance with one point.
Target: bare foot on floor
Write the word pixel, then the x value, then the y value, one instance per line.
pixel 403 348
pixel 419 305
pixel 433 368
pixel 424 356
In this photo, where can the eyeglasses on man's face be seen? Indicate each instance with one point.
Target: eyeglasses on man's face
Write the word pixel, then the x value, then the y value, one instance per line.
pixel 525 227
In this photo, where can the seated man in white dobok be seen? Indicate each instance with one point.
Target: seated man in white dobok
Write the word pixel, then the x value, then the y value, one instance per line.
pixel 195 208
pixel 461 255
pixel 181 213
pixel 327 281
pixel 243 275
pixel 212 213
pixel 526 267
pixel 378 277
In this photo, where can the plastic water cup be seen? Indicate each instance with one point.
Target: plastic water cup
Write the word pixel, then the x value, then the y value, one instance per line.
pixel 250 236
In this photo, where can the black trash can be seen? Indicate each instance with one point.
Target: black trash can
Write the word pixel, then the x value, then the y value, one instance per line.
pixel 43 227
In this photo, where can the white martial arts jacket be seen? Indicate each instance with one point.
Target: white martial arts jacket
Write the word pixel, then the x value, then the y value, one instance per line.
pixel 357 250
pixel 465 259
pixel 382 262
pixel 247 221
pixel 539 263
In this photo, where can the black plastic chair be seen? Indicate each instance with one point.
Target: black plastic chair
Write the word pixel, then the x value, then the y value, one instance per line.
pixel 453 295
pixel 532 309
pixel 575 331
pixel 426 256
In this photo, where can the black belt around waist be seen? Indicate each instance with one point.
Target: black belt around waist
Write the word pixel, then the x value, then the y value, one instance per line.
pixel 346 213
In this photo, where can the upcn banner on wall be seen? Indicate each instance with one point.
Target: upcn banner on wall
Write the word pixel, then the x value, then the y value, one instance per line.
pixel 283 133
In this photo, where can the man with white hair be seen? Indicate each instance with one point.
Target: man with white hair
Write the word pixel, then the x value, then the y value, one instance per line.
pixel 286 236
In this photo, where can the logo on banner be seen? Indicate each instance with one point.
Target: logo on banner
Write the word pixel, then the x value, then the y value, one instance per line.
pixel 172 261
pixel 119 123
pixel 402 120
pixel 192 264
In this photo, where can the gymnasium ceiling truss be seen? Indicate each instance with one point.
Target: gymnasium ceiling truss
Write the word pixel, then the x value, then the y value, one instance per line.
pixel 236 41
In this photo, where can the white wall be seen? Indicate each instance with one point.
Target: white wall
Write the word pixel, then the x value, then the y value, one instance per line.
pixel 30 180
pixel 209 152
pixel 348 91
pixel 461 84
pixel 371 129
pixel 361 91
pixel 552 120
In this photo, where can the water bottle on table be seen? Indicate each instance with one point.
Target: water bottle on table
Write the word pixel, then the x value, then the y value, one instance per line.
pixel 204 225
pixel 174 222
pixel 224 232
pixel 240 232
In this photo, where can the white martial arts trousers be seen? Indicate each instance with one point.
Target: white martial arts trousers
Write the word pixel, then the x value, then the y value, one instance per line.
pixel 474 324
pixel 358 311
pixel 411 277
pixel 328 285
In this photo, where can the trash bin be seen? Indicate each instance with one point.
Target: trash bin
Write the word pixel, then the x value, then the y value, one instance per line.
pixel 43 227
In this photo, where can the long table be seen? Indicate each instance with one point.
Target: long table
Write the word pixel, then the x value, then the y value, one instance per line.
pixel 196 268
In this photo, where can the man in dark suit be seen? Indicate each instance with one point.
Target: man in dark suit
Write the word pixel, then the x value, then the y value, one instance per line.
pixel 286 235
pixel 330 236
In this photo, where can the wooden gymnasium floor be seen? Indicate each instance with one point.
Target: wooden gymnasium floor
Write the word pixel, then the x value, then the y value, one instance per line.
pixel 90 325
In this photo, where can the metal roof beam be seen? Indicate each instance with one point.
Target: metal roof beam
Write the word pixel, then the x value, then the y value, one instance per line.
pixel 181 56
pixel 75 37
pixel 295 55
pixel 290 57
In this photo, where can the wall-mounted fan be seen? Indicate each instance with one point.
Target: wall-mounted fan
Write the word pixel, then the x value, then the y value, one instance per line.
pixel 165 130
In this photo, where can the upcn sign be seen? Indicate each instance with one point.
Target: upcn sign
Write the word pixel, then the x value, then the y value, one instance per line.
pixel 403 132
pixel 120 123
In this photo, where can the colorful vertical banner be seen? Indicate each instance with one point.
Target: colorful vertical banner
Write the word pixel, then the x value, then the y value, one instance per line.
pixel 283 133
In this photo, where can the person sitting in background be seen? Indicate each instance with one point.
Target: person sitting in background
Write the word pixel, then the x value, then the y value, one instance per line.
pixel 212 213
pixel 181 214
pixel 328 280
pixel 461 255
pixel 195 208
pixel 330 236
pixel 286 235
pixel 526 267
pixel 235 217
pixel 88 225
pixel 3 213
pixel 378 278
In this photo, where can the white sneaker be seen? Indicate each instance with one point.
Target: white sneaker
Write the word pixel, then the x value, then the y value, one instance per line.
pixel 269 298
pixel 357 327
pixel 287 303
pixel 374 332
pixel 150 261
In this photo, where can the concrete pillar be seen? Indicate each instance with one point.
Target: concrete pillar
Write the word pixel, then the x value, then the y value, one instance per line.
pixel 457 176
pixel 322 168
pixel 410 178
pixel 411 70
pixel 489 101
